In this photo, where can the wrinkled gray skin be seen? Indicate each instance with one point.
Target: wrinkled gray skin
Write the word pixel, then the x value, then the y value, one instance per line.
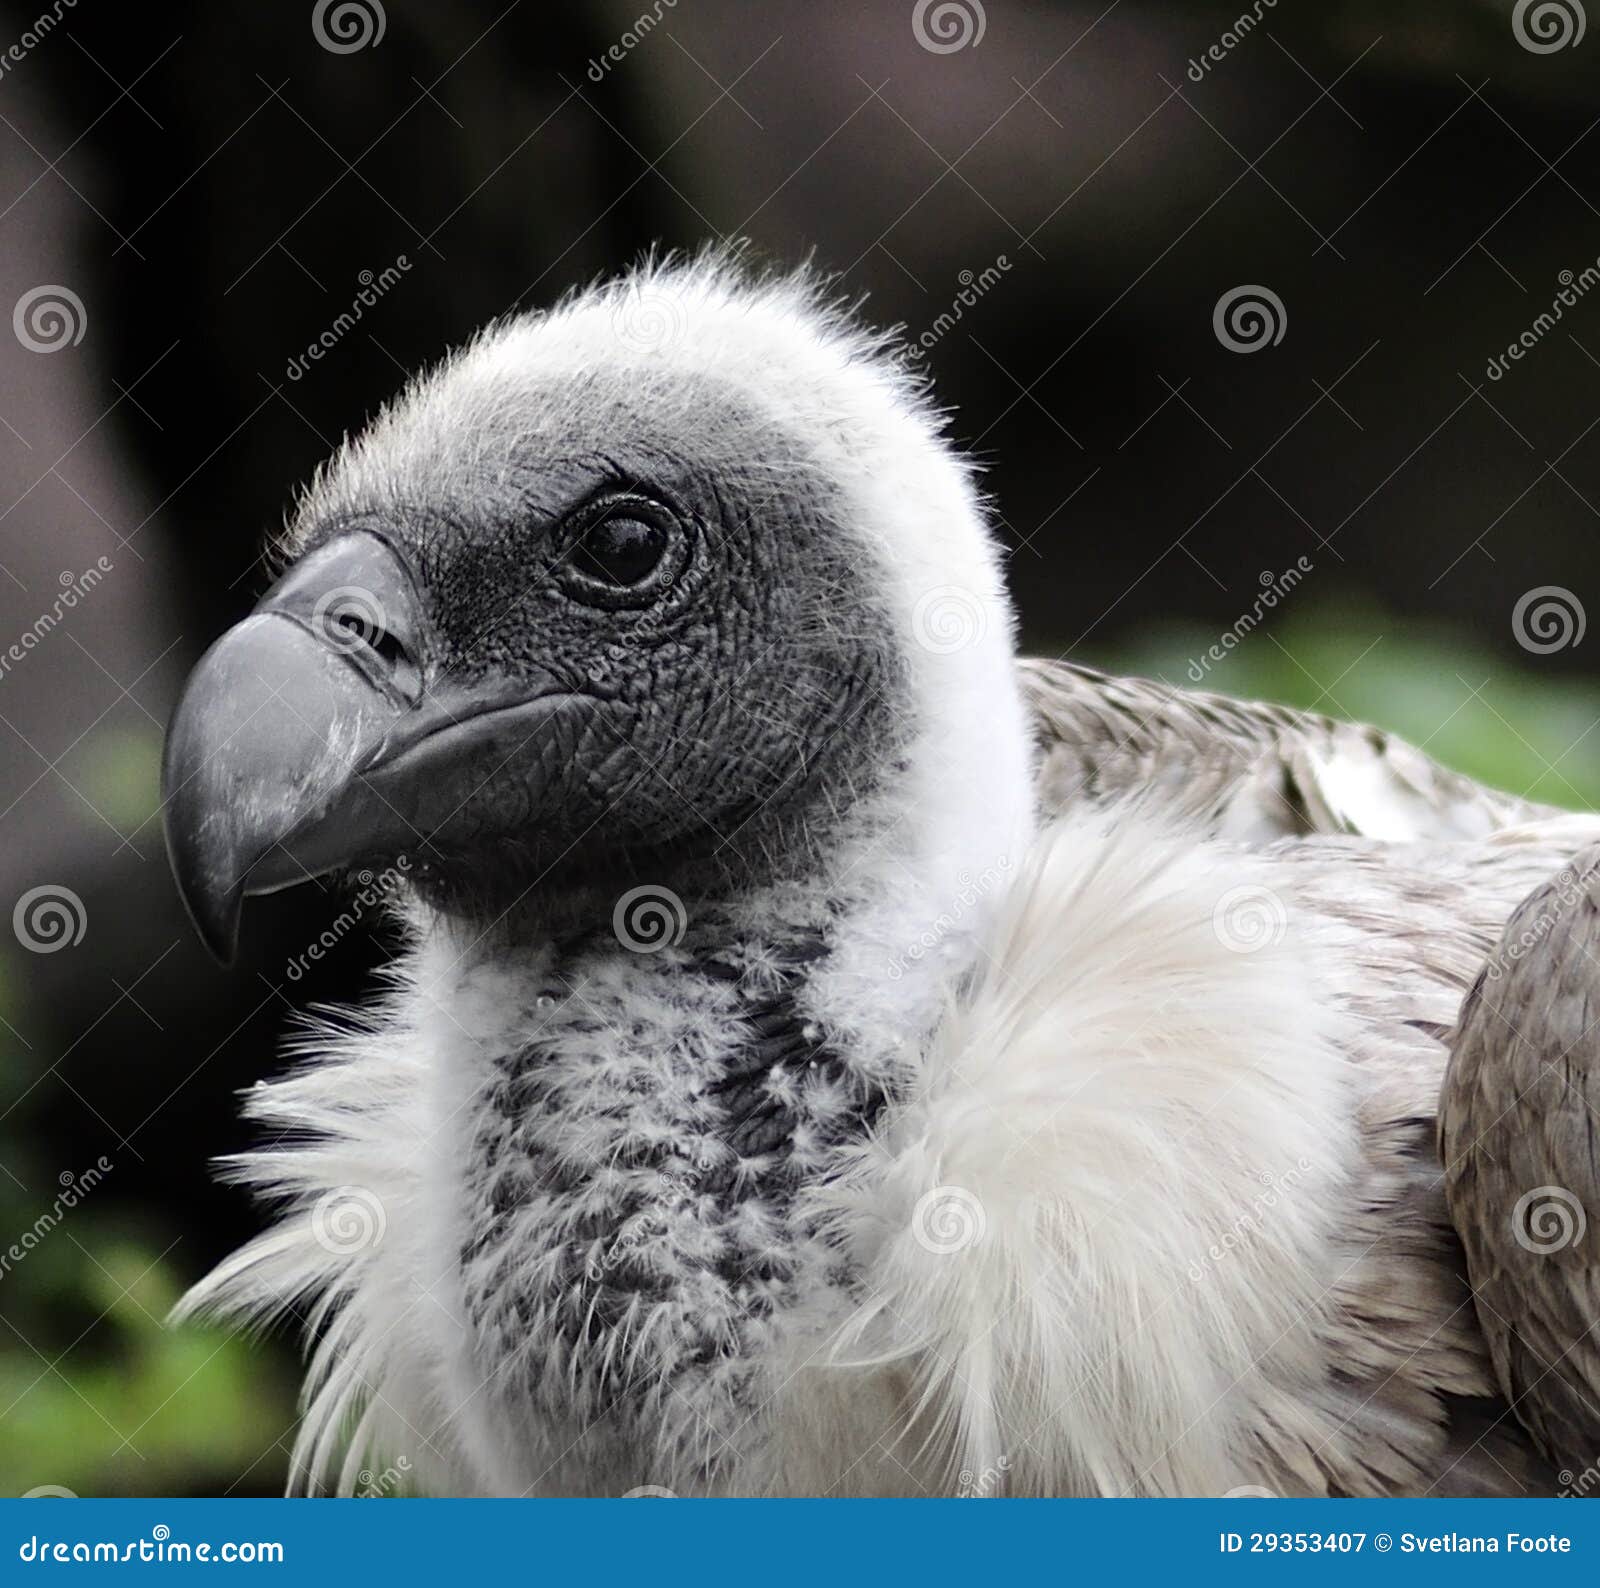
pixel 707 743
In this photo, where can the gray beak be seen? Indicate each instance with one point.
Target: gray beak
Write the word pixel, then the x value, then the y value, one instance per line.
pixel 306 741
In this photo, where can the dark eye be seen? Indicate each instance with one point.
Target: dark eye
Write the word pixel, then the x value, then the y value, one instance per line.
pixel 621 550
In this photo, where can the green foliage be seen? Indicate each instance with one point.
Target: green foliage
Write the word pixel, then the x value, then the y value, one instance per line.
pixel 1522 725
pixel 99 1396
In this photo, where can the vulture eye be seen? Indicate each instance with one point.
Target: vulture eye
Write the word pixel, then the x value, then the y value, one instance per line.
pixel 621 551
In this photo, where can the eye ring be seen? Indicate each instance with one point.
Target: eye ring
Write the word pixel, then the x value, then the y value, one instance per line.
pixel 621 549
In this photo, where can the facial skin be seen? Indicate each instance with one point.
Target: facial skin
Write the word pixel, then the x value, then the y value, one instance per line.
pixel 619 630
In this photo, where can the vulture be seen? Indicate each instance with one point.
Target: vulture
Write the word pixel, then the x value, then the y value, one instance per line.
pixel 828 1054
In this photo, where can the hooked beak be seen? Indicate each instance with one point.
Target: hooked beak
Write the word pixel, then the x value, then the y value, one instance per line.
pixel 305 739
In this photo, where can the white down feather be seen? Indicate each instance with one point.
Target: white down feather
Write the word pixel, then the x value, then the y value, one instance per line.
pixel 1133 1139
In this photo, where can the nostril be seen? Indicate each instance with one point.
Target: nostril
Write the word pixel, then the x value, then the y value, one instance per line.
pixel 358 629
pixel 364 636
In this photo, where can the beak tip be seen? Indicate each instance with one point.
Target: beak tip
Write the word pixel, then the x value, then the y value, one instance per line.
pixel 217 922
pixel 213 901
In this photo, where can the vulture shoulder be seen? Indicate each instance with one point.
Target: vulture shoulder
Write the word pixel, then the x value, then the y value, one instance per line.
pixel 1521 1150
pixel 1166 1196
pixel 1245 770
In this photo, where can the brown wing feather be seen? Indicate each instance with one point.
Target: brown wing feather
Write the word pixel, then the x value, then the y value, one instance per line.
pixel 1418 1403
pixel 1519 1135
pixel 1245 769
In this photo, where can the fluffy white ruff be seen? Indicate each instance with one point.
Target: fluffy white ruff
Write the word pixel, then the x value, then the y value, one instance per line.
pixel 1108 1211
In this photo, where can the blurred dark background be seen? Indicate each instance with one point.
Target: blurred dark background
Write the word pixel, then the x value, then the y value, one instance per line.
pixel 203 188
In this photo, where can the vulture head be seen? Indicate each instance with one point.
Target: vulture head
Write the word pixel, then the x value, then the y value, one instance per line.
pixel 671 585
